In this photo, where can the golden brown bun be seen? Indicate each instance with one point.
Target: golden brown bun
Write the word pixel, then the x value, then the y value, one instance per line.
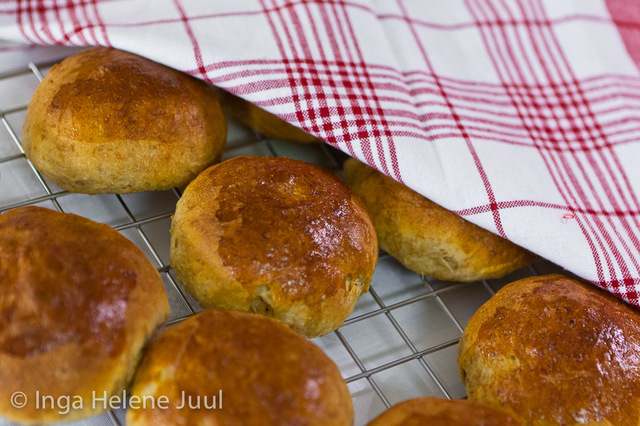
pixel 554 351
pixel 266 373
pixel 443 412
pixel 105 120
pixel 274 236
pixel 262 121
pixel 427 238
pixel 78 303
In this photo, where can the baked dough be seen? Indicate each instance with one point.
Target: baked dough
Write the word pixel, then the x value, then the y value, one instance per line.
pixel 78 304
pixel 427 238
pixel 274 236
pixel 553 351
pixel 108 121
pixel 443 412
pixel 262 121
pixel 259 372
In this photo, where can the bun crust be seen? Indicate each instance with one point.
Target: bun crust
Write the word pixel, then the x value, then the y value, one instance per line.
pixel 267 374
pixel 78 303
pixel 108 121
pixel 427 238
pixel 554 351
pixel 262 121
pixel 274 236
pixel 443 412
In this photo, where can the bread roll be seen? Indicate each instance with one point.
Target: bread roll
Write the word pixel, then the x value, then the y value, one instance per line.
pixel 554 351
pixel 274 236
pixel 78 303
pixel 106 121
pixel 262 121
pixel 443 412
pixel 235 368
pixel 427 238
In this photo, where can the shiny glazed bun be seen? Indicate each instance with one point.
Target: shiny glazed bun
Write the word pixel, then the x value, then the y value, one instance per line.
pixel 552 350
pixel 78 303
pixel 247 369
pixel 274 236
pixel 108 121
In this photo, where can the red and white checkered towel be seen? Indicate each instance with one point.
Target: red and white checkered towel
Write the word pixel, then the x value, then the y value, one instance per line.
pixel 523 116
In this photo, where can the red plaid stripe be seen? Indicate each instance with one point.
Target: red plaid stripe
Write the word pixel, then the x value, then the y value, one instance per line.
pixel 626 16
pixel 495 109
pixel 571 186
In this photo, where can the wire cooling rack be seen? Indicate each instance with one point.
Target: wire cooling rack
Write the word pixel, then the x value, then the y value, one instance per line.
pixel 399 343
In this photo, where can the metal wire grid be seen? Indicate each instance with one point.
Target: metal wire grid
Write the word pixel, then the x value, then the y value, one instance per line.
pixel 392 336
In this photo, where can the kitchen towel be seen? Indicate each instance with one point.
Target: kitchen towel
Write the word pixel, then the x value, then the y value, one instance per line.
pixel 522 116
